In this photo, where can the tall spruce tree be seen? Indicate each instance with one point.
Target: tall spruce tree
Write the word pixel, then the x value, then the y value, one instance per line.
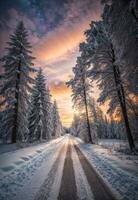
pixel 38 110
pixel 17 65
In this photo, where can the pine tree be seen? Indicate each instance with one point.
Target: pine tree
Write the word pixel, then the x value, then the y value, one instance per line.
pixel 17 64
pixel 80 87
pixel 123 33
pixel 121 21
pixel 107 73
pixel 83 128
pixel 38 110
pixel 75 126
pixel 57 126
pixel 48 115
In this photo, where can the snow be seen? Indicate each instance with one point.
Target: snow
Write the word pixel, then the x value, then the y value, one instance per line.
pixel 113 144
pixel 8 147
pixel 24 154
pixel 58 176
pixel 36 163
pixel 119 173
pixel 36 172
pixel 83 188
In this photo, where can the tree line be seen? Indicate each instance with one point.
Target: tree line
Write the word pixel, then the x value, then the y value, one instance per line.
pixel 27 113
pixel 108 58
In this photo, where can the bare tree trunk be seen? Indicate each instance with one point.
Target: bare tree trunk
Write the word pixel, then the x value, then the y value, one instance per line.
pixel 86 111
pixel 122 101
pixel 88 122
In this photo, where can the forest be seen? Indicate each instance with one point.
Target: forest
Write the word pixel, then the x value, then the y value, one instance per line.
pixel 27 112
pixel 69 100
pixel 108 58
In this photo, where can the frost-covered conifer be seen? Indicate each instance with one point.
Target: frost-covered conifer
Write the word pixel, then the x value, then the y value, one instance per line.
pixel 39 110
pixel 48 116
pixel 57 126
pixel 121 21
pixel 106 72
pixel 16 79
pixel 75 126
pixel 80 87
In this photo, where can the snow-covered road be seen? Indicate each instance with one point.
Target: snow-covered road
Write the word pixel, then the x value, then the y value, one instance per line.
pixel 64 168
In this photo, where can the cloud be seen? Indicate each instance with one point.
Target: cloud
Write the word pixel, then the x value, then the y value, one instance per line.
pixel 69 34
pixel 8 24
pixel 61 68
pixel 55 36
pixel 58 49
pixel 59 87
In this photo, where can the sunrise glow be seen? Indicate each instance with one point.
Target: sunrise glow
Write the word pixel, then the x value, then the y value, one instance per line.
pixel 56 46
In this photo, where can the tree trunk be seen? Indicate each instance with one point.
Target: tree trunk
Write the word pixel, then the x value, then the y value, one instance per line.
pixel 86 111
pixel 14 131
pixel 88 122
pixel 134 15
pixel 122 100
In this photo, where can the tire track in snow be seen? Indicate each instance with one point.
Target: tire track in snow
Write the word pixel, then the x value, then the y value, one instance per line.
pixel 98 187
pixel 37 180
pixel 45 190
pixel 83 187
pixel 11 184
pixel 68 190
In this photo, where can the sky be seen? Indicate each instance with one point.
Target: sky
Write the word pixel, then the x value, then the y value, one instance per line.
pixel 56 27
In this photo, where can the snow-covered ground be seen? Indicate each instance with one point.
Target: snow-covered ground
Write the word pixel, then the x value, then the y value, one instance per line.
pixel 119 171
pixel 8 147
pixel 23 171
pixel 116 145
pixel 35 173
pixel 83 188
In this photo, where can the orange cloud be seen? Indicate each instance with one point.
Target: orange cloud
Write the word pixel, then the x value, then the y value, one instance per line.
pixel 59 88
pixel 57 43
pixel 57 51
pixel 65 37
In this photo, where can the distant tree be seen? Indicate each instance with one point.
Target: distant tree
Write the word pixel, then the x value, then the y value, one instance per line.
pixel 48 130
pixel 15 88
pixel 79 127
pixel 57 126
pixel 75 126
